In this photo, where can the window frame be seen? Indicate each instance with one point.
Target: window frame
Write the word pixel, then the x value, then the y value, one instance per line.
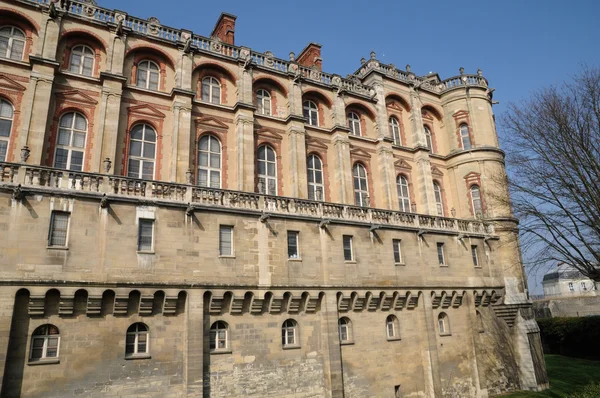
pixel 397 246
pixel 287 326
pixel 313 187
pixel 82 56
pixel 228 228
pixel 136 342
pixel 11 39
pixel 428 138
pixel 475 256
pixel 211 83
pixel 215 339
pixel 296 236
pixel 583 286
pixel 440 254
pixel 310 112
pixel 208 168
pixel 477 209
pixel 444 324
pixel 266 179
pixel 394 126
pixel 141 222
pixel 403 200
pixel 439 199
pixel 144 66
pixel 46 337
pixel 52 230
pixel 10 119
pixel 350 240
pixel 70 148
pixel 142 159
pixel 345 326
pixel 361 194
pixel 353 120
pixel 465 136
pixel 392 320
pixel 261 100
pixel 571 287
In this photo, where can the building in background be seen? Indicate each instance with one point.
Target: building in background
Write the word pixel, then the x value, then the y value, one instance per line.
pixel 184 216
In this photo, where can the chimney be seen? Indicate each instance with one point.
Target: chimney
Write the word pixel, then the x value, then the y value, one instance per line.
pixel 225 28
pixel 311 56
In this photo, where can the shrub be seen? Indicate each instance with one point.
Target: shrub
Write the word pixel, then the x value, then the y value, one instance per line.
pixel 575 337
pixel 590 391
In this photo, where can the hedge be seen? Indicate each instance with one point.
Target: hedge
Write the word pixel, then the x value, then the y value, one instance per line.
pixel 574 337
pixel 590 391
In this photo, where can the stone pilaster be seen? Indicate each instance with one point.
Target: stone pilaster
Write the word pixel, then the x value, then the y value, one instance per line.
pixel 49 35
pixel 194 355
pixel 297 161
pixel 7 302
pixel 185 70
pixel 382 118
pixel 430 358
pixel 342 172
pixel 333 369
pixel 182 143
pixel 244 130
pixel 108 123
pixel 339 111
pixel 416 120
pixel 295 97
pixel 426 201
pixel 244 83
pixel 385 159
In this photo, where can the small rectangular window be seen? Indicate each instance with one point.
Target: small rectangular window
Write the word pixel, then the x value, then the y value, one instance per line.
pixel 440 253
pixel 145 235
pixel 292 245
pixel 59 225
pixel 474 255
pixel 583 286
pixel 397 392
pixel 397 251
pixel 348 252
pixel 226 240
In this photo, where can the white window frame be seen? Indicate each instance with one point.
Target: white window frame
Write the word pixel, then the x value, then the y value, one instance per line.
pixel 314 187
pixel 465 137
pixel 443 324
pixel 137 333
pixel 70 148
pixel 311 112
pixel 229 230
pixel 216 337
pixel 267 180
pixel 397 246
pixel 583 286
pixel 354 124
pixel 80 51
pixel 264 104
pixel 11 41
pixel 4 104
pixel 142 221
pixel 394 125
pixel 142 158
pixel 210 151
pixel 350 240
pixel 428 139
pixel 403 193
pixel 439 200
pixel 476 202
pixel 45 337
pixel 211 86
pixel 345 328
pixel 475 256
pixel 289 325
pixel 145 67
pixel 361 194
pixel 392 322
pixel 571 287
pixel 440 253
pixel 53 229
pixel 296 238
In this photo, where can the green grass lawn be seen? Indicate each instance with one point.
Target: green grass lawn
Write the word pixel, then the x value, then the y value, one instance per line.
pixel 567 375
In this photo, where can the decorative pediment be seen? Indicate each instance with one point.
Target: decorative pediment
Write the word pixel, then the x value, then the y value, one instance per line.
pixel 394 105
pixel 8 83
pixel 462 114
pixel 472 176
pixel 77 97
pixel 402 164
pixel 436 172
pixel 210 123
pixel 146 110
pixel 426 115
pixel 268 134
pixel 360 153
pixel 315 143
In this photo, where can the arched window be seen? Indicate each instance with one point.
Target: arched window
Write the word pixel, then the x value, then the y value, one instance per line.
pixel 6 119
pixel 209 162
pixel 289 333
pixel 211 90
pixel 45 343
pixel 403 193
pixel 443 324
pixel 361 188
pixel 82 60
pixel 70 143
pixel 219 336
pixel 311 113
pixel 465 138
pixel 148 75
pixel 354 123
pixel 395 130
pixel 316 189
pixel 267 170
pixel 138 340
pixel 439 203
pixel 428 139
pixel 263 99
pixel 476 200
pixel 392 327
pixel 345 329
pixel 142 147
pixel 12 43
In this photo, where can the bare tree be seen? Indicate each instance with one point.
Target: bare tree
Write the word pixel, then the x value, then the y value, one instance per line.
pixel 554 161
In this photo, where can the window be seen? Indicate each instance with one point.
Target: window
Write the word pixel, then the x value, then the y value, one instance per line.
pixel 211 90
pixel 267 170
pixel 465 138
pixel 6 118
pixel 70 143
pixel 314 174
pixel 289 333
pixel 219 336
pixel 292 244
pixel 392 327
pixel 345 330
pixel 397 391
pixel 397 251
pixel 138 339
pixel 82 60
pixel 443 324
pixel 476 200
pixel 354 123
pixel 263 99
pixel 148 75
pixel 428 139
pixel 583 286
pixel 226 240
pixel 348 251
pixel 440 253
pixel 474 255
pixel 142 147
pixel 361 188
pixel 403 193
pixel 12 43
pixel 437 191
pixel 209 162
pixel 311 113
pixel 145 235
pixel 59 227
pixel 45 343
pixel 395 130
pixel 571 287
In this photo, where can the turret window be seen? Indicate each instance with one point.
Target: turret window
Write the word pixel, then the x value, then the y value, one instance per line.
pixel 476 200
pixel 465 138
pixel 439 204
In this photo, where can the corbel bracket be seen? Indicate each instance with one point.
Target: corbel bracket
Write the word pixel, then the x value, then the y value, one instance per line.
pixel 324 223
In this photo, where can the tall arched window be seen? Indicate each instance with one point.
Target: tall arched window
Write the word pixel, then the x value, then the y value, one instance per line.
pixel 354 123
pixel 476 200
pixel 289 333
pixel 465 138
pixel 439 203
pixel 263 99
pixel 209 162
pixel 12 43
pixel 403 193
pixel 6 119
pixel 316 189
pixel 70 143
pixel 138 340
pixel 395 130
pixel 361 188
pixel 211 90
pixel 443 324
pixel 392 327
pixel 148 75
pixel 45 343
pixel 219 336
pixel 428 139
pixel 267 170
pixel 345 329
pixel 142 149
pixel 311 113
pixel 82 60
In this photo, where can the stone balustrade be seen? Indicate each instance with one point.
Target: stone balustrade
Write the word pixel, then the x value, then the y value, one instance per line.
pixel 39 178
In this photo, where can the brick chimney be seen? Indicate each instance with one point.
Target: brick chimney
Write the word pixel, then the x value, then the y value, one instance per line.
pixel 225 28
pixel 311 56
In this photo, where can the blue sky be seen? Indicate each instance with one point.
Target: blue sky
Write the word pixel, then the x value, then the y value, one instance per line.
pixel 521 45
